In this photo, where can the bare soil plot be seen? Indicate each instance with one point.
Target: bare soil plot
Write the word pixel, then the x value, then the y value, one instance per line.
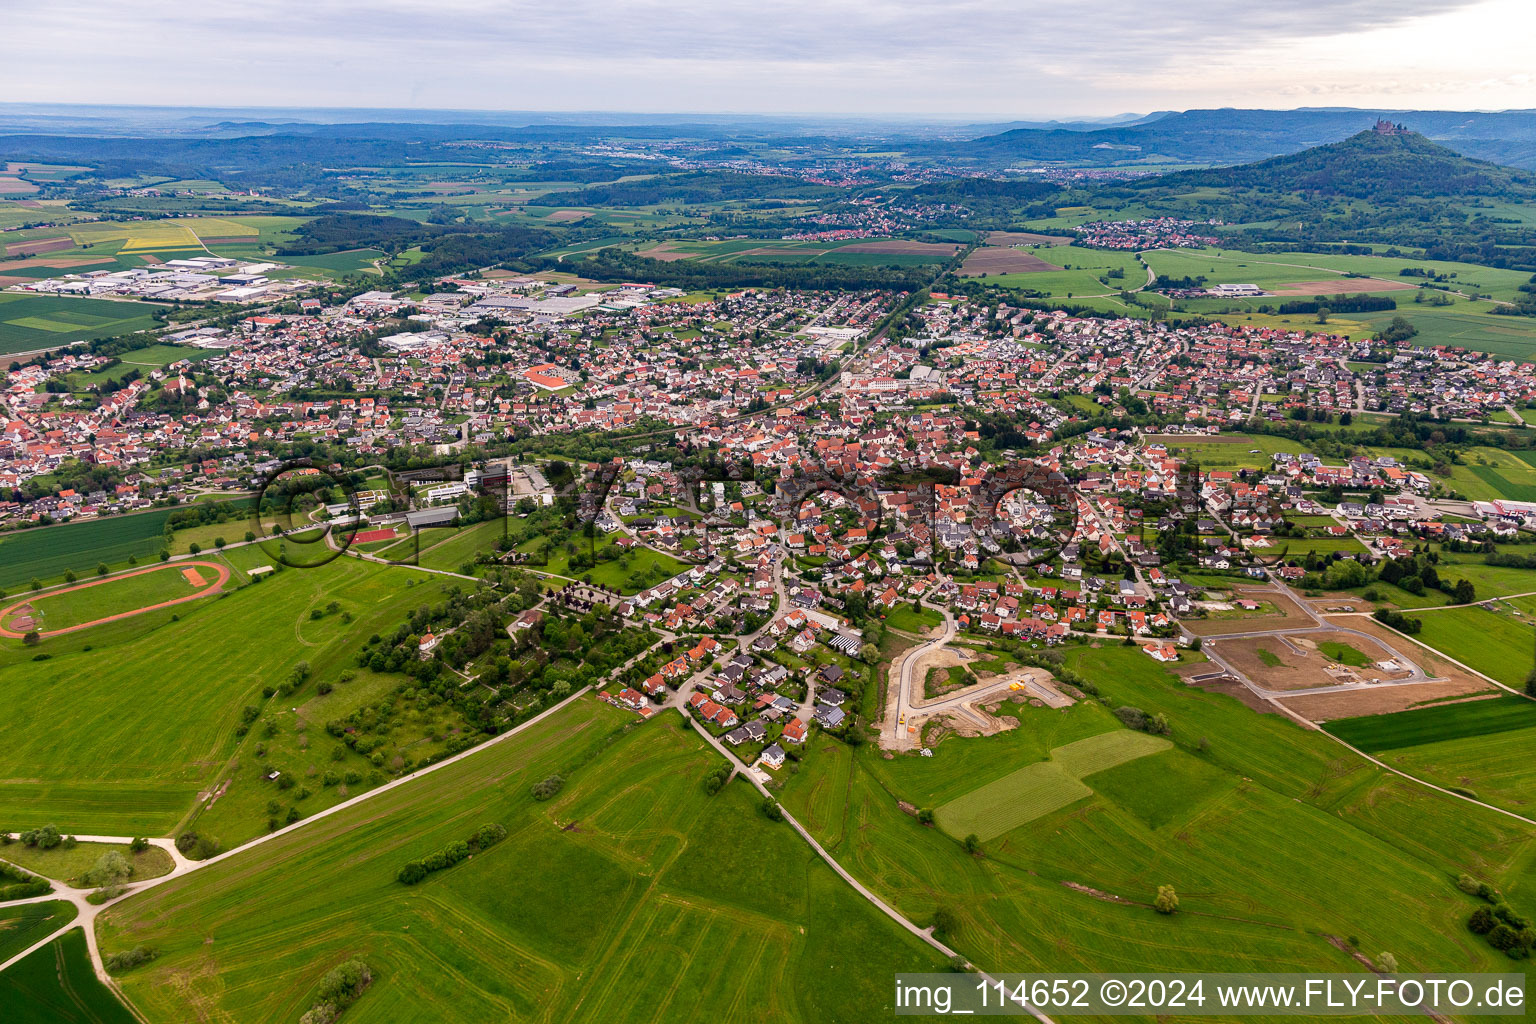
pixel 1286 614
pixel 6 282
pixel 1288 667
pixel 900 246
pixel 38 245
pixel 1024 238
pixel 566 216
pixel 1210 678
pixel 56 262
pixel 1303 663
pixel 1375 700
pixel 15 186
pixel 995 259
pixel 1337 603
pixel 663 251
pixel 772 251
pixel 1338 286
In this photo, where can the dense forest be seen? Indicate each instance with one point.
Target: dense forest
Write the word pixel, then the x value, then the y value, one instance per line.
pixel 614 264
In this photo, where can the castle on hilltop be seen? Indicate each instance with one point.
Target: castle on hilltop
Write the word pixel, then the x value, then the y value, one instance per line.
pixel 1385 127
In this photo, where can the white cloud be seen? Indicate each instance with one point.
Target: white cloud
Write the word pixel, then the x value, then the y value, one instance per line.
pixel 957 58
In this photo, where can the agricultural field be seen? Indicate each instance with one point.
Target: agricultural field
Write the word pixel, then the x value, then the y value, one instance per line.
pixel 29 322
pixel 31 922
pixel 45 553
pixel 1038 789
pixel 1076 273
pixel 141 714
pixel 1500 644
pixel 349 261
pixel 56 985
pixel 1271 837
pixel 1494 767
pixel 1287 270
pixel 1437 723
pixel 686 900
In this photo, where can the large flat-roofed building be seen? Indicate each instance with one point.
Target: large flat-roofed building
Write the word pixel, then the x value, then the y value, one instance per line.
pixel 1237 291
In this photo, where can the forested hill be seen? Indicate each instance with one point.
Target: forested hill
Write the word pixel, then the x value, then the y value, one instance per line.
pixel 1369 165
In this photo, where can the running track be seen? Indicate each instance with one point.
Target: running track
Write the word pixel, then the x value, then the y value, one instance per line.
pixel 221 571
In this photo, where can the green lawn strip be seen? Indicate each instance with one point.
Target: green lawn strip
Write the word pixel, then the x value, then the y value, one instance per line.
pixel 67 865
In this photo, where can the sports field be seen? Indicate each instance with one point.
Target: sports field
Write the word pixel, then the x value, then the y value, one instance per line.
pixel 113 597
pixel 632 896
pixel 30 322
pixel 1038 789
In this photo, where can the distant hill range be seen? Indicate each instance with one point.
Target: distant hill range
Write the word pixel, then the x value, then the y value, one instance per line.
pixel 1234 136
pixel 1385 162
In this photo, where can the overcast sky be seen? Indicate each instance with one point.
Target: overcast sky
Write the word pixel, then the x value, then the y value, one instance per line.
pixel 998 58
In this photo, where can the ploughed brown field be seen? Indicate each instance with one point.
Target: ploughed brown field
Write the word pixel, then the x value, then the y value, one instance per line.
pixel 900 246
pixel 663 251
pixel 1025 238
pixel 1338 286
pixel 566 216
pixel 55 262
pixel 10 186
pixel 996 259
pixel 38 245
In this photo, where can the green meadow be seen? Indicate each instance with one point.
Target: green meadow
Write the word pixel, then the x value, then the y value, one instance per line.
pixel 632 895
pixel 1495 643
pixel 1274 837
pixel 152 357
pixel 122 725
pixel 66 865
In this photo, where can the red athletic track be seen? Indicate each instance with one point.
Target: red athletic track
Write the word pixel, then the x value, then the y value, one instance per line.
pixel 222 571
